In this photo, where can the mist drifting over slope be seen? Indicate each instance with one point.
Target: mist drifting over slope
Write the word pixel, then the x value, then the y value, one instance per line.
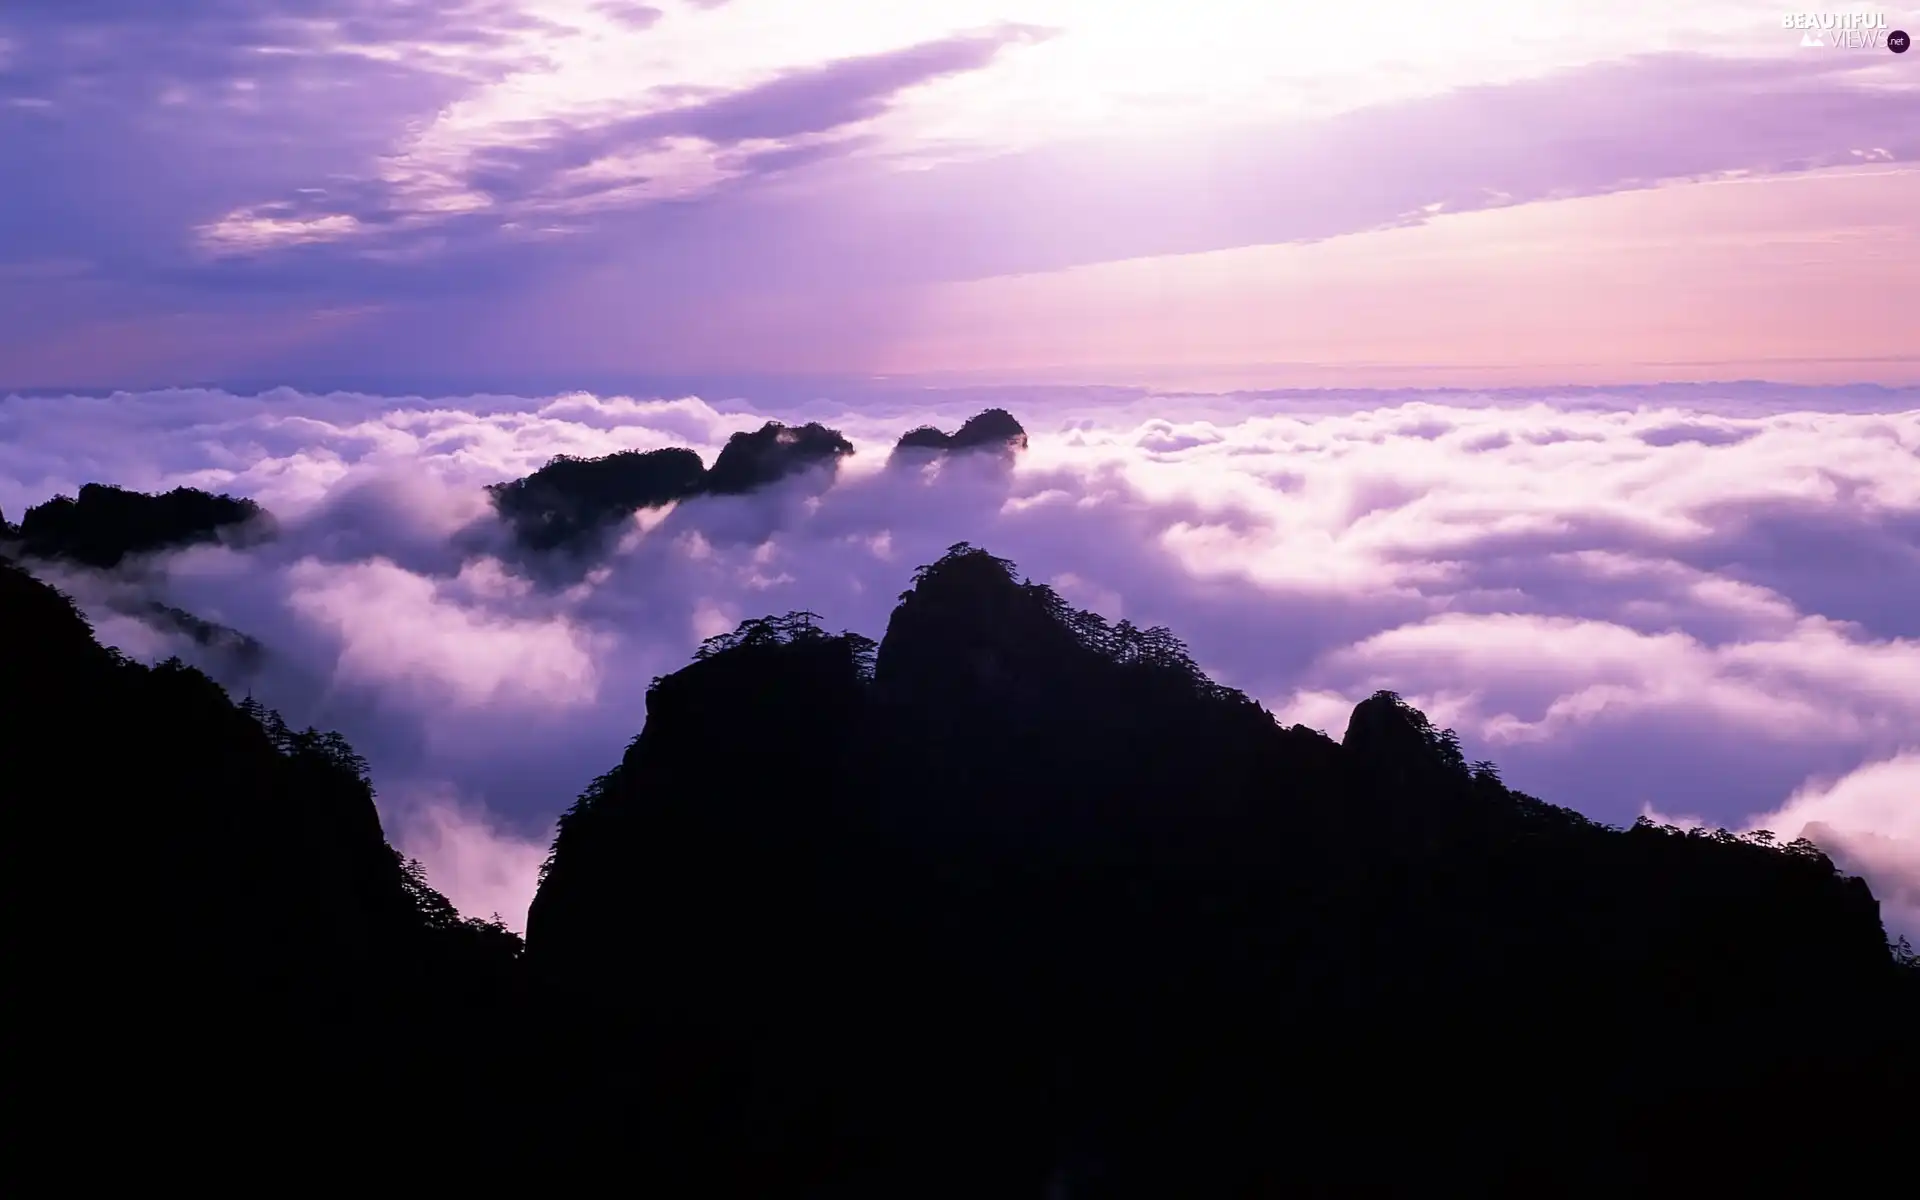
pixel 1683 600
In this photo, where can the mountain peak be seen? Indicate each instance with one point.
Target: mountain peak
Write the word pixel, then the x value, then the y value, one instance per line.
pixel 966 622
pixel 1031 878
pixel 105 524
pixel 1384 728
pixel 572 498
pixel 570 502
pixel 994 430
pixel 773 452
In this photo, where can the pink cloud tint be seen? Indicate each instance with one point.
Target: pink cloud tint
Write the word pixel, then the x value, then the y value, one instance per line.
pixel 1800 278
pixel 902 193
pixel 481 869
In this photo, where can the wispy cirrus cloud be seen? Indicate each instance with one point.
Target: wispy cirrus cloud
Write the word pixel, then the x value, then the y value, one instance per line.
pixel 788 120
pixel 223 193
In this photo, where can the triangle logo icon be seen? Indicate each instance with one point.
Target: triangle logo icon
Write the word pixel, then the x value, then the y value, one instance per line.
pixel 1811 38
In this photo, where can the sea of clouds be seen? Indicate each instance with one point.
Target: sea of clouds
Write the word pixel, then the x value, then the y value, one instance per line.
pixel 1695 601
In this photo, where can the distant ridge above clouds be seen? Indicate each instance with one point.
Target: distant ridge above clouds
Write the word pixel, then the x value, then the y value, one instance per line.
pixel 1596 587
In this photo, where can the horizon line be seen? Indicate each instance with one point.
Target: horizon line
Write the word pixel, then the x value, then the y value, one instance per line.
pixel 694 385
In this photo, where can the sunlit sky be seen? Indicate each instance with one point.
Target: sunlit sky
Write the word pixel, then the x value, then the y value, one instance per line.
pixel 516 192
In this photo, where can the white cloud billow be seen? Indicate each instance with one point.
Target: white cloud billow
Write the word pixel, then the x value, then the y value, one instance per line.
pixel 1683 600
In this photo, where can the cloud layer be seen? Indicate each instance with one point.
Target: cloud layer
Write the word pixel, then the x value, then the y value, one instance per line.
pixel 1678 600
pixel 234 190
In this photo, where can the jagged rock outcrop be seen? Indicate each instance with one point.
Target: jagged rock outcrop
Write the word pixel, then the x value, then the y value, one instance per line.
pixel 202 892
pixel 774 452
pixel 104 524
pixel 994 431
pixel 571 499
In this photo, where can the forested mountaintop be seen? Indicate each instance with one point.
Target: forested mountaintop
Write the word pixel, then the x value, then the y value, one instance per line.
pixel 1015 887
pixel 568 504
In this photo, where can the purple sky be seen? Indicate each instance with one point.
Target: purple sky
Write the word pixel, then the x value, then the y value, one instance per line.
pixel 538 194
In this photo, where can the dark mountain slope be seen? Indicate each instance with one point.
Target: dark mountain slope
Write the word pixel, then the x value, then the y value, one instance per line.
pixel 1038 897
pixel 744 754
pixel 203 893
pixel 105 524
pixel 1014 899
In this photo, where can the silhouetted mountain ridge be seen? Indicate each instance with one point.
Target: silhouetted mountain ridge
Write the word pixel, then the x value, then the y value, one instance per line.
pixel 567 504
pixel 772 453
pixel 993 430
pixel 1031 876
pixel 103 524
pixel 571 500
pixel 243 652
pixel 209 894
pixel 1013 895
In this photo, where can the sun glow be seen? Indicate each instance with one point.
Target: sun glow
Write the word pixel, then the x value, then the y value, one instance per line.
pixel 1082 68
